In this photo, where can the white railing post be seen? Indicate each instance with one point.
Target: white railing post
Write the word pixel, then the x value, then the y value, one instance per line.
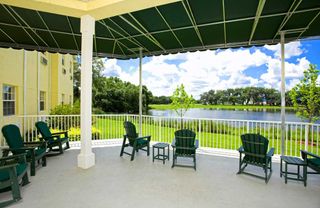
pixel 199 133
pixel 306 137
pixel 160 132
pixel 248 127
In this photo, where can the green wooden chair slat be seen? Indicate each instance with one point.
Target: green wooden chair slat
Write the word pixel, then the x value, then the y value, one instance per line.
pixel 255 150
pixel 53 139
pixel 137 143
pixel 35 151
pixel 184 145
pixel 313 161
pixel 13 169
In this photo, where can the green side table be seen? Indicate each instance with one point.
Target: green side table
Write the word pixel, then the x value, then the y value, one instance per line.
pixel 297 162
pixel 160 156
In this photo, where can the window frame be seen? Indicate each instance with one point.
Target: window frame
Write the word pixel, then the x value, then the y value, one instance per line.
pixel 42 99
pixel 8 111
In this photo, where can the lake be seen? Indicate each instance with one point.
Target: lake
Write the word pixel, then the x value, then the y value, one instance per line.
pixel 263 114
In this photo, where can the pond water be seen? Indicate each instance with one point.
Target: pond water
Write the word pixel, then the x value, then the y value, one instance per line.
pixel 263 114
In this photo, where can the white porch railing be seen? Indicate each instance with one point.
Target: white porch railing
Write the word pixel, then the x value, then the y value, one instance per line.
pixel 212 133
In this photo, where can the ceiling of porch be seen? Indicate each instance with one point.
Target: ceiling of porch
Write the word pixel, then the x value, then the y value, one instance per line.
pixel 187 25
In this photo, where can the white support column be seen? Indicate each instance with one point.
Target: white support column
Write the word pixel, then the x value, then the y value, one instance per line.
pixel 86 158
pixel 24 89
pixel 38 83
pixel 140 91
pixel 283 101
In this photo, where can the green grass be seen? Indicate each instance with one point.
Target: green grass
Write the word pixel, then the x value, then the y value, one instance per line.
pixel 253 107
pixel 213 135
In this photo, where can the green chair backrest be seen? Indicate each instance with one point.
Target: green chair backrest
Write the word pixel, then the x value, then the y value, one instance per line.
pixel 130 131
pixel 184 139
pixel 44 130
pixel 255 147
pixel 13 137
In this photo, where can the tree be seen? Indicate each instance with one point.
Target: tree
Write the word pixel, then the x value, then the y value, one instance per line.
pixel 181 101
pixel 305 95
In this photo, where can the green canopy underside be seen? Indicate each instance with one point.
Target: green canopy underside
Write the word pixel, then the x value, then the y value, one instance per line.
pixel 189 25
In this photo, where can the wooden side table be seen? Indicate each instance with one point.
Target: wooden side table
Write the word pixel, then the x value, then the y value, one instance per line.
pixel 297 162
pixel 160 156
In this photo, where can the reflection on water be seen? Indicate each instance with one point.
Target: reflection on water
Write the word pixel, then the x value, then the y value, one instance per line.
pixel 261 114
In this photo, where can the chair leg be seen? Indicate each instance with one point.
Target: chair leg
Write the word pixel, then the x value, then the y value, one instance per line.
pixel 67 145
pixel 133 152
pixel 60 148
pixel 174 157
pixel 266 174
pixel 195 162
pixel 44 161
pixel 122 148
pixel 32 168
pixel 15 189
pixel 148 149
pixel 240 158
pixel 25 179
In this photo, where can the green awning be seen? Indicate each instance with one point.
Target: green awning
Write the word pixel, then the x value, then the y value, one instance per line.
pixel 189 25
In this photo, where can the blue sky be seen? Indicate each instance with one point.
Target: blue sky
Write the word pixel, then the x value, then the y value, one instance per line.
pixel 219 69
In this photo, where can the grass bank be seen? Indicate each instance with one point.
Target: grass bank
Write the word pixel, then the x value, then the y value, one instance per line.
pixel 227 107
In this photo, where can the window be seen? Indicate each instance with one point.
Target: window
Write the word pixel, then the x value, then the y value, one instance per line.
pixel 9 102
pixel 71 77
pixel 62 60
pixel 64 71
pixel 42 100
pixel 62 99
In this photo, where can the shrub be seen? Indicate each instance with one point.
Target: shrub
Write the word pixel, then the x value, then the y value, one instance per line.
pixel 74 133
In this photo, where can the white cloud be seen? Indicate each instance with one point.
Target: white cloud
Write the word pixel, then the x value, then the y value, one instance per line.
pixel 272 77
pixel 291 49
pixel 221 69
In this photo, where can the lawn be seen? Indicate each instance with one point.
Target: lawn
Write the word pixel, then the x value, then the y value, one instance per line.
pixel 216 135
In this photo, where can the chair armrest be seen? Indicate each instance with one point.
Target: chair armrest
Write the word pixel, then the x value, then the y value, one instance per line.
pixel 18 156
pixel 173 144
pixel 8 166
pixel 241 150
pixel 31 143
pixel 196 145
pixel 36 144
pixel 144 137
pixel 21 148
pixel 59 133
pixel 271 152
pixel 305 154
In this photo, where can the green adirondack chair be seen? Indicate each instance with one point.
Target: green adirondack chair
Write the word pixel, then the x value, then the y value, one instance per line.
pixel 53 139
pixel 35 151
pixel 255 150
pixel 13 169
pixel 184 145
pixel 137 143
pixel 312 160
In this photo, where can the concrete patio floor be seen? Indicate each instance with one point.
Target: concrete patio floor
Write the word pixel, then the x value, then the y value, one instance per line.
pixel 117 182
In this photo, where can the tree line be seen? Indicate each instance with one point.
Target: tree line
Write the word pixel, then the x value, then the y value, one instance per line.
pixel 244 96
pixel 110 94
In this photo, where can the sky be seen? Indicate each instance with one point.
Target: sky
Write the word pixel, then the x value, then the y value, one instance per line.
pixel 218 69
